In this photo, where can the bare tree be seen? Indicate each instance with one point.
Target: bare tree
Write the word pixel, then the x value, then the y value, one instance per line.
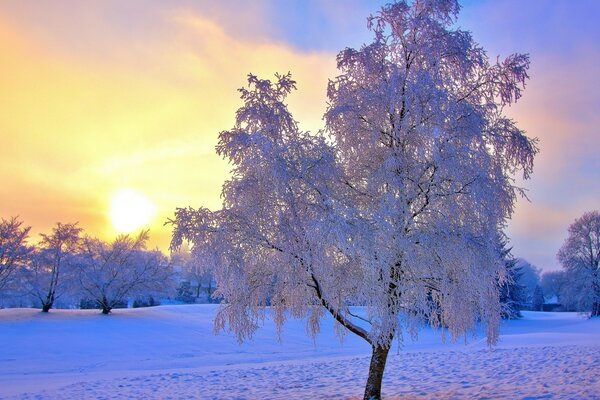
pixel 14 250
pixel 50 272
pixel 110 273
pixel 580 256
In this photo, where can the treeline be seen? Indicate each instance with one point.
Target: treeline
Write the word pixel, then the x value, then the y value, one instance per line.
pixel 577 286
pixel 561 290
pixel 529 289
pixel 67 268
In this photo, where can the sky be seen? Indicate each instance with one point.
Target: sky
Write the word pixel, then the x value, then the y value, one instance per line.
pixel 102 101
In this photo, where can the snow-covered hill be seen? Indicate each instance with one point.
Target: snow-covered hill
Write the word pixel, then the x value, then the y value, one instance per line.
pixel 172 352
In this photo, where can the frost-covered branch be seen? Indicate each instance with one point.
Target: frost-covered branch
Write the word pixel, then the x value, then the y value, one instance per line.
pixel 399 210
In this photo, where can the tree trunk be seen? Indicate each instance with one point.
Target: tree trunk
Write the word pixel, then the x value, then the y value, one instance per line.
pixel 596 289
pixel 105 305
pixel 595 309
pixel 49 302
pixel 378 360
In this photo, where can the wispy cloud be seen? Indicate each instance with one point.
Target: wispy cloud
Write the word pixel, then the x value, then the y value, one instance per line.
pixel 146 114
pixel 559 107
pixel 101 95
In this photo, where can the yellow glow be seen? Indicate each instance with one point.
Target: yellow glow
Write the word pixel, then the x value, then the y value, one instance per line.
pixel 79 126
pixel 130 211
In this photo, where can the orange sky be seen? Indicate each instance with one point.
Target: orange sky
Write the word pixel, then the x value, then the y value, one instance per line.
pixel 77 128
pixel 101 96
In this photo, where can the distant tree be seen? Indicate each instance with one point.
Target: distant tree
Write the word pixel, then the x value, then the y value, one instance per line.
pixel 185 293
pixel 537 303
pixel 399 211
pixel 552 282
pixel 14 250
pixel 567 288
pixel 580 256
pixel 110 273
pixel 511 292
pixel 145 301
pixel 89 304
pixel 196 269
pixel 51 270
pixel 528 278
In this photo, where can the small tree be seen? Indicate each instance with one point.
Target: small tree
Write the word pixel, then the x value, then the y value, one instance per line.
pixel 14 251
pixel 511 292
pixel 194 269
pixel 580 256
pixel 537 303
pixel 552 282
pixel 110 273
pixel 185 293
pixel 399 211
pixel 527 278
pixel 50 272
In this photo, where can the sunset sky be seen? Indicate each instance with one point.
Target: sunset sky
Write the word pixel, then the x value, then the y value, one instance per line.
pixel 109 100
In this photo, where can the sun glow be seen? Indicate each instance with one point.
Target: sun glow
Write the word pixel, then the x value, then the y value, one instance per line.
pixel 130 211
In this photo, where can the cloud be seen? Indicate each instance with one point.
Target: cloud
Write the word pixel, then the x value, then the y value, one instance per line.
pixel 559 107
pixel 96 96
pixel 77 126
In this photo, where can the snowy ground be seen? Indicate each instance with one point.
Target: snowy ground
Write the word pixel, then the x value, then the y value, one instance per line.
pixel 170 352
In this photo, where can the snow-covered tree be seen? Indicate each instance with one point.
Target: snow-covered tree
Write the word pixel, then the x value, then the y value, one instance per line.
pixel 580 256
pixel 111 273
pixel 399 210
pixel 567 288
pixel 50 272
pixel 185 293
pixel 528 278
pixel 14 250
pixel 511 292
pixel 537 303
pixel 551 282
pixel 196 272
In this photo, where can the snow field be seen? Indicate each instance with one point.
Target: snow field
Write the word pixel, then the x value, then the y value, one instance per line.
pixel 171 353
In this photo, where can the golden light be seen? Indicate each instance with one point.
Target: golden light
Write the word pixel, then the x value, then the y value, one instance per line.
pixel 130 211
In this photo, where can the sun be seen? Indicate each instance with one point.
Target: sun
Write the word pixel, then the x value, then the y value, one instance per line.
pixel 130 211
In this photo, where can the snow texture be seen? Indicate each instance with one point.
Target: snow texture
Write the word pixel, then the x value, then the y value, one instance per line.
pixel 170 352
